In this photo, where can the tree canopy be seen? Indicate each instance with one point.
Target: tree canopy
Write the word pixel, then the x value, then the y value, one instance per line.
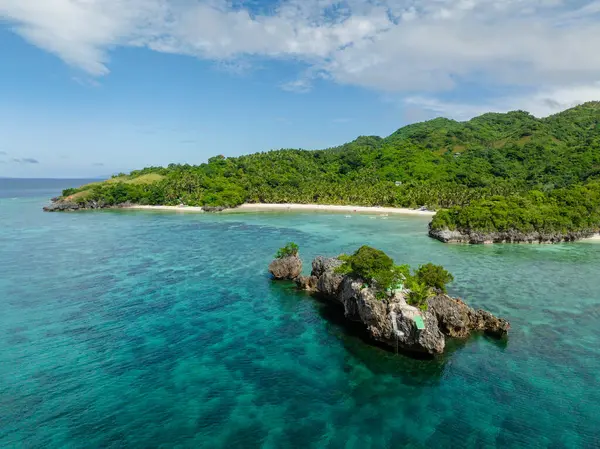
pixel 496 171
pixel 378 270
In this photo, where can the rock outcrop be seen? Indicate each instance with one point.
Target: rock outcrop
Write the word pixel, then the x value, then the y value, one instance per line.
pixel 321 265
pixel 66 205
pixel 456 319
pixel 214 208
pixel 322 277
pixel 289 267
pixel 390 320
pixel 476 237
pixel 394 322
pixel 58 205
pixel 308 283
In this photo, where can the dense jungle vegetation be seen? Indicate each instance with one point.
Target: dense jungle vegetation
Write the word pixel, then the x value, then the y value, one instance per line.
pixel 494 172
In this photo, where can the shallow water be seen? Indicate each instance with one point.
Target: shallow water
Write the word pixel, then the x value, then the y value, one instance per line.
pixel 157 329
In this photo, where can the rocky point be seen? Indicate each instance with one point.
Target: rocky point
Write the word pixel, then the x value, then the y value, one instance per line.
pixel 391 320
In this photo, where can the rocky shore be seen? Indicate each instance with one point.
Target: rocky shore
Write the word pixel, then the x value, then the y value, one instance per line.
pixel 60 205
pixel 475 237
pixel 65 205
pixel 391 320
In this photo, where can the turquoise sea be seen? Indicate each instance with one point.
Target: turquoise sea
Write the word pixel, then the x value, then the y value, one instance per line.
pixel 147 329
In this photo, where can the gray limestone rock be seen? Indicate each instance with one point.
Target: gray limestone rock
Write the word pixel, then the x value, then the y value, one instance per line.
pixel 475 237
pixel 322 264
pixel 289 267
pixel 68 206
pixel 213 208
pixel 308 283
pixel 329 283
pixel 456 319
pixel 429 340
pixel 389 319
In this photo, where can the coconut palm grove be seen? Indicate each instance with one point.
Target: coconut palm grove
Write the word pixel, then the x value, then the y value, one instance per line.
pixel 495 172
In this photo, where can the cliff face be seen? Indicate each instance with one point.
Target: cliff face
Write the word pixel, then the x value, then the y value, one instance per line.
pixel 392 321
pixel 475 237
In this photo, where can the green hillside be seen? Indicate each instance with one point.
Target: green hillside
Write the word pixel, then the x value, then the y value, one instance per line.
pixel 491 162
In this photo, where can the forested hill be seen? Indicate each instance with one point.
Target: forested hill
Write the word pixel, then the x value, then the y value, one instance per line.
pixel 439 163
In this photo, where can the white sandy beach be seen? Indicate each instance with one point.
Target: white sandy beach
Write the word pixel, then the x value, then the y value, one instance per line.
pixel 594 238
pixel 331 208
pixel 297 207
pixel 167 208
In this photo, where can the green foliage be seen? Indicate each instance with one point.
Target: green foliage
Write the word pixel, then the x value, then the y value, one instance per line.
pixel 496 171
pixel 68 192
pixel 370 263
pixel 374 267
pixel 572 209
pixel 378 270
pixel 346 267
pixel 291 249
pixel 404 271
pixel 419 294
pixel 434 276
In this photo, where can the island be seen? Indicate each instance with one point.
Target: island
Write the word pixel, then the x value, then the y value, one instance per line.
pixel 403 310
pixel 497 178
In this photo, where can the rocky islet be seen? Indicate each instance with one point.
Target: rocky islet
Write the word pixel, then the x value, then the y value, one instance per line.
pixel 391 320
pixel 289 267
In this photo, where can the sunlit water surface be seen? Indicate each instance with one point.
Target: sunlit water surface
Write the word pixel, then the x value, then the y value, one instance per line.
pixel 145 329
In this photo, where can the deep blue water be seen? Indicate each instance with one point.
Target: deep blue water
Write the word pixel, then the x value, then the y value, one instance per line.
pixel 145 329
pixel 40 188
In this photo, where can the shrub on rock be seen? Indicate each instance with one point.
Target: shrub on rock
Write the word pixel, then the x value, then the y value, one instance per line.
pixel 287 264
pixel 434 276
pixel 291 249
pixel 372 265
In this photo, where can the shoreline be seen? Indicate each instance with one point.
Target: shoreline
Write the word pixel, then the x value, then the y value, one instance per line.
pixel 283 207
pixel 594 238
pixel 513 237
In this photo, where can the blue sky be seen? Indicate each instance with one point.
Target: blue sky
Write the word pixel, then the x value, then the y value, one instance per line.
pixel 94 87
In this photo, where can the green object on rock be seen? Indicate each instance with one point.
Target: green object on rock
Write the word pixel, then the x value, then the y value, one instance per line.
pixel 419 322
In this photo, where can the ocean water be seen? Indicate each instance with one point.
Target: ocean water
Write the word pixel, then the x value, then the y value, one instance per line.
pixel 31 188
pixel 154 329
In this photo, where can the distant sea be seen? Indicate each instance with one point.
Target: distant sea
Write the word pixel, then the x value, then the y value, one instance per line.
pixel 150 329
pixel 31 188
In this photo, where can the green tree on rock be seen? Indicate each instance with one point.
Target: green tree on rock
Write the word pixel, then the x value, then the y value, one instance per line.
pixel 291 249
pixel 433 276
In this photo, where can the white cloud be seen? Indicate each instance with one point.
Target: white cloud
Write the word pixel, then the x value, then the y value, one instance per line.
pixel 549 102
pixel 79 31
pixel 407 46
pixel 540 104
pixel 300 85
pixel 422 108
